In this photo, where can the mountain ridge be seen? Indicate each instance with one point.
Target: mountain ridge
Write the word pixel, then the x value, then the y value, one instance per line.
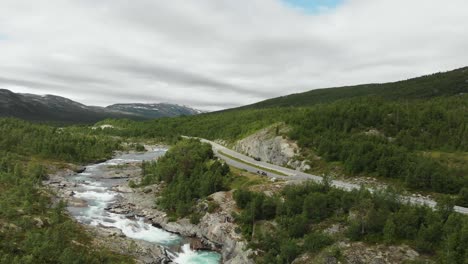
pixel 53 108
pixel 155 110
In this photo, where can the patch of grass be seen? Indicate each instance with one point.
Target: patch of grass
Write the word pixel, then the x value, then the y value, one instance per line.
pixel 195 218
pixel 253 165
pixel 212 206
pixel 457 160
pixel 244 179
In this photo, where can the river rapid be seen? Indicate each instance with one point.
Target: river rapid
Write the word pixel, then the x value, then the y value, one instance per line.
pixel 97 191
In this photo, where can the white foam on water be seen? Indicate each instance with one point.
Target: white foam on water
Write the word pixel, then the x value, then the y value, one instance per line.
pixel 140 230
pixel 188 256
pixel 96 215
pixel 99 196
pixel 114 162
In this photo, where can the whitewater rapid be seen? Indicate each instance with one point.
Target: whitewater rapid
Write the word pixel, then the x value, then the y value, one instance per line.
pixel 98 194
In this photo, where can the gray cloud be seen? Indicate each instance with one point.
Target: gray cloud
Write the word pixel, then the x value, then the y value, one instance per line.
pixel 179 76
pixel 30 83
pixel 216 54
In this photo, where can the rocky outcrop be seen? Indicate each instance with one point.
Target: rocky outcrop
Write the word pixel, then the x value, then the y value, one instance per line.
pixel 268 146
pixel 359 253
pixel 271 146
pixel 215 230
pixel 115 240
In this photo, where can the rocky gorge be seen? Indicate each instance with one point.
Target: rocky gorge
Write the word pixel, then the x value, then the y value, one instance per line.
pixel 215 231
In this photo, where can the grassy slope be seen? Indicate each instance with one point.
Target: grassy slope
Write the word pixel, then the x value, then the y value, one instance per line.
pixel 439 84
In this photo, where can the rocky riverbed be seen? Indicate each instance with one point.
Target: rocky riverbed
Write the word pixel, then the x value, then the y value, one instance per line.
pixel 215 230
pixel 126 221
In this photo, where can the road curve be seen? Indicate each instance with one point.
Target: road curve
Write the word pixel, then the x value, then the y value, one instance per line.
pixel 294 175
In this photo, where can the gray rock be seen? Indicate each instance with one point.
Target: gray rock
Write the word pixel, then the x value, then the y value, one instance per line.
pixel 215 230
pixel 38 221
pixel 75 202
pixel 378 260
pixel 330 260
pixel 268 147
pixel 69 193
pixel 80 169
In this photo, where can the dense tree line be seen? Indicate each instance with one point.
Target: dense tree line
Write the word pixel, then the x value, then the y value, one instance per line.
pixel 366 135
pixel 370 136
pixel 300 211
pixel 227 125
pixel 33 231
pixel 190 173
pixel 49 142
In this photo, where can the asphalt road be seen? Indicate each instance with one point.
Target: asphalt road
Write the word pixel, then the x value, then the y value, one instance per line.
pixel 296 176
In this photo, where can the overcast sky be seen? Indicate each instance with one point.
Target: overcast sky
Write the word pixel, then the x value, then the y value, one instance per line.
pixel 215 54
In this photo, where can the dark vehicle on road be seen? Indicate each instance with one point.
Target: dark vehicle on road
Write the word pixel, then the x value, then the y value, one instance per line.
pixel 257 158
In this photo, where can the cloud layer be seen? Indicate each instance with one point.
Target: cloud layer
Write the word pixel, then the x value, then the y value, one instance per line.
pixel 215 54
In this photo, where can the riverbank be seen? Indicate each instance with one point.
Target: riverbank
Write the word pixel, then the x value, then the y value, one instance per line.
pixel 216 229
pixel 112 238
pixel 214 232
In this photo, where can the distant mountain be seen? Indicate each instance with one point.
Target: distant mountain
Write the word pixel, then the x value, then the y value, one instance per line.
pixel 155 110
pixel 438 84
pixel 51 108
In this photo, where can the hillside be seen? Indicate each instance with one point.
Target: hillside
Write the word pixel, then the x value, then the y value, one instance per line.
pixel 411 135
pixel 51 108
pixel 380 136
pixel 439 84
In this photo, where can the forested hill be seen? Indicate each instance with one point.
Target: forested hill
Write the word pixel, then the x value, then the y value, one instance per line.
pixel 439 84
pixel 412 132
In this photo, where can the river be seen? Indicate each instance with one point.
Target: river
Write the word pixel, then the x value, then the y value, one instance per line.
pixel 97 192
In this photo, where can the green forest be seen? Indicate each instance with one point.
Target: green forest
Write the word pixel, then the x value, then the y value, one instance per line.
pixel 49 142
pixel 387 139
pixel 32 229
pixel 190 172
pixel 288 224
pixel 368 136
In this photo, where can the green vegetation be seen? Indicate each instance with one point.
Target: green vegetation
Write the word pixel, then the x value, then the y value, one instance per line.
pixel 253 165
pixel 228 125
pixel 363 136
pixel 296 217
pixel 245 179
pixel 31 229
pixel 371 136
pixel 190 173
pixel 435 85
pixel 46 142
